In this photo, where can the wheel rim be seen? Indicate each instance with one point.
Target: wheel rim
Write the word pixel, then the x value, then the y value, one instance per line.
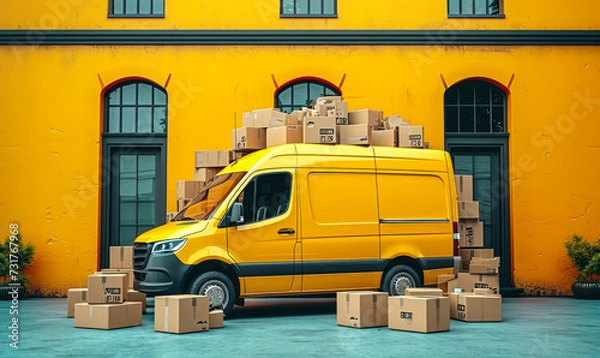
pixel 399 282
pixel 218 295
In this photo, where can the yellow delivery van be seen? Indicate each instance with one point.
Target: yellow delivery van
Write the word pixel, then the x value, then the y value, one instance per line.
pixel 309 219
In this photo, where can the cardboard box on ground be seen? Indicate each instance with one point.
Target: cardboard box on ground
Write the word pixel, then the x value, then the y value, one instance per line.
pixel 423 314
pixel 181 313
pixel 362 309
pixel 108 316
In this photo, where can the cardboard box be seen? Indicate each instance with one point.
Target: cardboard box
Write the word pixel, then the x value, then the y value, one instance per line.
pixel 284 134
pixel 372 117
pixel 479 308
pixel 120 257
pixel 206 174
pixel 320 130
pixel 468 210
pixel 362 309
pixel 484 266
pixel 137 296
pixel 394 121
pixel 471 232
pixel 453 298
pixel 181 203
pixel 467 254
pixel 127 272
pixel 410 137
pixel 263 118
pixel 423 291
pixel 443 282
pixel 249 138
pixel 354 134
pixel 337 109
pixel 328 100
pixel 468 282
pixel 464 187
pixel 181 313
pixel 187 189
pixel 215 319
pixel 108 316
pixel 213 158
pixel 419 314
pixel 107 288
pixel 388 137
pixel 296 117
pixel 75 295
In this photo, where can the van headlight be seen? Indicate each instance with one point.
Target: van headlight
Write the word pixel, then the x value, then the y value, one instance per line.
pixel 163 247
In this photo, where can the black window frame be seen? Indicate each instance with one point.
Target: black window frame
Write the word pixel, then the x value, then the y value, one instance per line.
pixel 156 14
pixel 294 15
pixel 293 106
pixel 499 15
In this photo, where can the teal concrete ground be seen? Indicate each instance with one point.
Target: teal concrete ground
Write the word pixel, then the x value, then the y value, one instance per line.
pixel 532 327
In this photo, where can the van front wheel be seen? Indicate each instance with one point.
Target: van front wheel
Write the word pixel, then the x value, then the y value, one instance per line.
pixel 219 289
pixel 399 278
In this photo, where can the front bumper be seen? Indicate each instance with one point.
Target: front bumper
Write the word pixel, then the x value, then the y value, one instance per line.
pixel 162 274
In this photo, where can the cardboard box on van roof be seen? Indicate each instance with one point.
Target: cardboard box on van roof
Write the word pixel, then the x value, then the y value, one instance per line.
pixel 372 117
pixel 320 130
pixel 355 134
pixel 387 137
pixel 411 137
pixel 249 138
pixel 283 135
pixel 394 121
pixel 263 118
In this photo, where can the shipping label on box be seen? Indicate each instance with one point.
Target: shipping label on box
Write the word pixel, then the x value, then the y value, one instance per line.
pixel 423 291
pixel 206 174
pixel 484 266
pixel 283 135
pixel 362 309
pixel 394 121
pixel 215 319
pixel 464 187
pixel 181 313
pixel 108 316
pixel 127 272
pixel 471 233
pixel 320 130
pixel 137 296
pixel 419 314
pixel 410 137
pixel 187 189
pixel 479 308
pixel 110 288
pixel 75 295
pixel 354 134
pixel 213 158
pixel 249 138
pixel 120 257
pixel 468 282
pixel 468 210
pixel 372 117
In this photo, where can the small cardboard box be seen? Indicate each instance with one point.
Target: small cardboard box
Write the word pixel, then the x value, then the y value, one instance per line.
pixel 484 266
pixel 266 117
pixel 187 189
pixel 328 100
pixel 468 282
pixel 410 137
pixel 108 316
pixel 215 319
pixel 213 158
pixel 75 295
pixel 362 309
pixel 181 313
pixel 337 109
pixel 468 210
pixel 472 307
pixel 107 288
pixel 391 122
pixel 320 130
pixel 137 296
pixel 467 254
pixel 372 117
pixel 121 257
pixel 442 283
pixel 249 138
pixel 283 135
pixel 354 134
pixel 388 137
pixel 471 232
pixel 423 291
pixel 464 187
pixel 128 272
pixel 296 118
pixel 419 314
pixel 206 174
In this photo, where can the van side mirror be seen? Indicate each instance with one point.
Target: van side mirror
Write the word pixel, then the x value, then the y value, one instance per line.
pixel 237 214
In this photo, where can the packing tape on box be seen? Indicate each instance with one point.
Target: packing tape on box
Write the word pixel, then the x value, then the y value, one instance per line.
pixel 166 318
pixel 91 311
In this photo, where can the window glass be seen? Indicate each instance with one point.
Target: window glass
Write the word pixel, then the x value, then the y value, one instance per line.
pixel 132 8
pixel 309 8
pixel 136 107
pixel 473 7
pixel 301 94
pixel 474 107
pixel 265 197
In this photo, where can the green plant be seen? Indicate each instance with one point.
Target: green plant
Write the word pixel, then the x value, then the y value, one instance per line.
pixel 585 257
pixel 22 256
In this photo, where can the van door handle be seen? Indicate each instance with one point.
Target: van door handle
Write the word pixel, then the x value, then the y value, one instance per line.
pixel 286 231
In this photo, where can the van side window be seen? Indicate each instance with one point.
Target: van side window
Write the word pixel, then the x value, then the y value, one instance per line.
pixel 265 197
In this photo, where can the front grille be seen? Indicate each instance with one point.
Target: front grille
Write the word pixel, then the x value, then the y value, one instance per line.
pixel 141 252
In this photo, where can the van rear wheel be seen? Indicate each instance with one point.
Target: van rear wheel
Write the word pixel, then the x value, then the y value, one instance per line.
pixel 398 278
pixel 219 289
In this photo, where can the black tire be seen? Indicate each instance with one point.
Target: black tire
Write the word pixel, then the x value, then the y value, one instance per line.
pixel 219 289
pixel 398 278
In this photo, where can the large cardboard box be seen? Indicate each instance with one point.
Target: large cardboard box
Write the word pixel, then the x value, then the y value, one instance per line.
pixel 320 130
pixel 468 210
pixel 354 134
pixel 372 117
pixel 467 254
pixel 419 314
pixel 215 319
pixel 137 296
pixel 266 117
pixel 423 291
pixel 213 158
pixel 181 313
pixel 108 316
pixel 362 309
pixel 411 137
pixel 206 174
pixel 120 257
pixel 471 232
pixel 283 135
pixel 187 189
pixel 249 138
pixel 127 272
pixel 442 283
pixel 75 295
pixel 464 187
pixel 387 137
pixel 468 282
pixel 484 266
pixel 107 288
pixel 391 122
pixel 472 307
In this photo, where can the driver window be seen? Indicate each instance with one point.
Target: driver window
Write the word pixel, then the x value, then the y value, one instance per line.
pixel 265 197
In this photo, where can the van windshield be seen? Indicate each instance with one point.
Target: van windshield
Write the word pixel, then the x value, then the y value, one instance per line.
pixel 206 201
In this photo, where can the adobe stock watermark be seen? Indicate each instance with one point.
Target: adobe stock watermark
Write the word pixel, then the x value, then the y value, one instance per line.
pixel 13 285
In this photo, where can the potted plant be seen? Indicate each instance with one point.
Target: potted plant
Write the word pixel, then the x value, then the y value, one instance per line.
pixel 586 259
pixel 14 259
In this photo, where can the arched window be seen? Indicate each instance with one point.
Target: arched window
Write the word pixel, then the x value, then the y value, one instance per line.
pixel 136 107
pixel 302 93
pixel 475 106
